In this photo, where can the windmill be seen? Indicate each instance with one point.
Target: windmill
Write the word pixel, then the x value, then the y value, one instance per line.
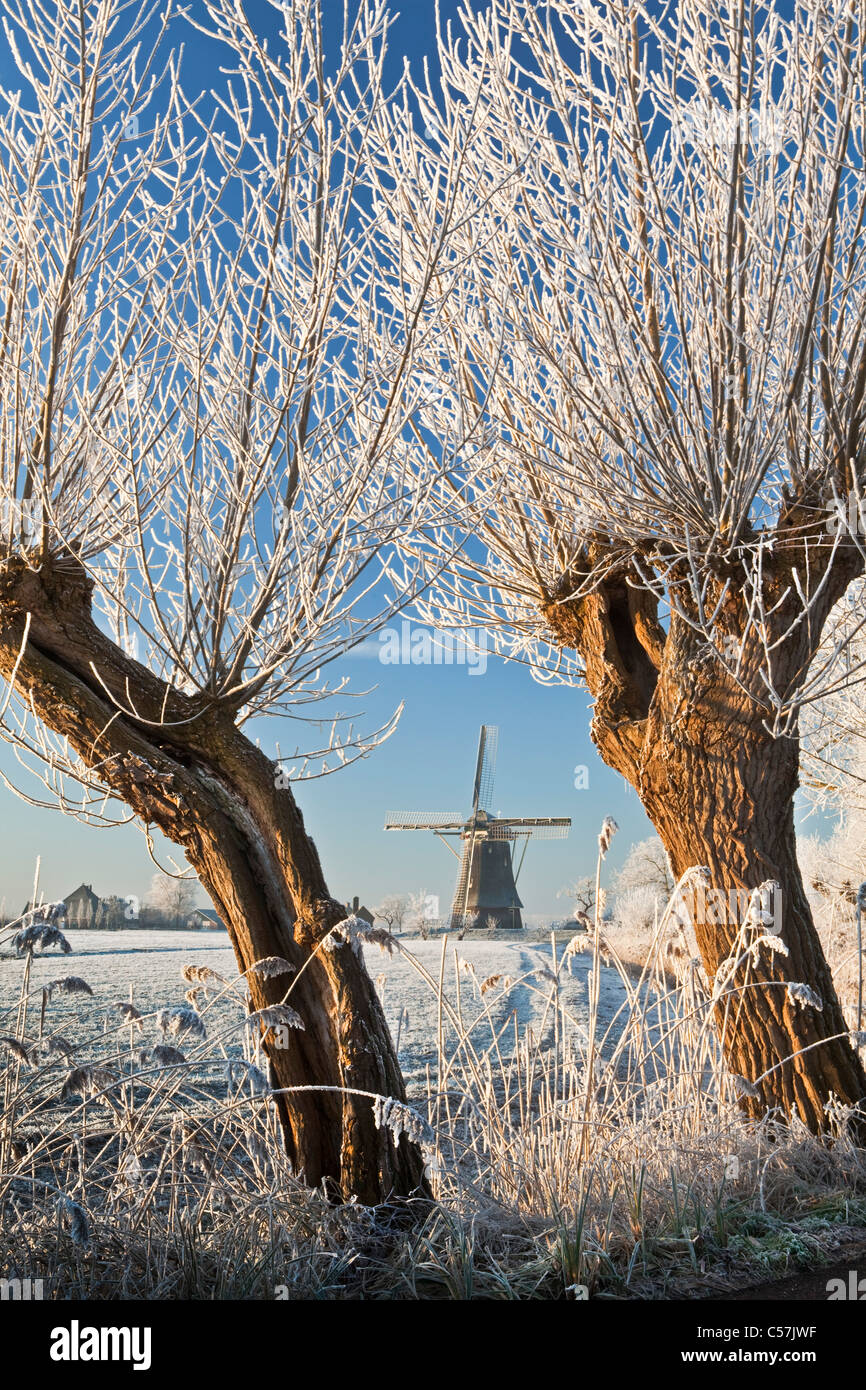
pixel 486 881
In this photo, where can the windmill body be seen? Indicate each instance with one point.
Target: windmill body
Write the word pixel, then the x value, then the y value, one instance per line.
pixel 486 891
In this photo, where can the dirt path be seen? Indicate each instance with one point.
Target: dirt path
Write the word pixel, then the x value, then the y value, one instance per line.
pixel 806 1286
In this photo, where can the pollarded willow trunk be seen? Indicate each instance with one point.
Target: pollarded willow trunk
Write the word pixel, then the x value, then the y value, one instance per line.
pixel 720 791
pixel 259 866
pixel 693 741
pixel 182 764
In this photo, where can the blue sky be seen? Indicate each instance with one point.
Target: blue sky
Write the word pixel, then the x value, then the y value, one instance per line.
pixel 427 764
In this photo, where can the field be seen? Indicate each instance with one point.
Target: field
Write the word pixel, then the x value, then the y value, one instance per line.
pixel 145 968
pixel 130 1172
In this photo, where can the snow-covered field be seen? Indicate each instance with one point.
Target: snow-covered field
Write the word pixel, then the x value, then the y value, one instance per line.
pixel 510 1013
pixel 147 967
pixel 150 963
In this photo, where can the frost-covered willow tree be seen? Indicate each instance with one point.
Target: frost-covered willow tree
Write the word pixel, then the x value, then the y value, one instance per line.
pixel 209 446
pixel 663 327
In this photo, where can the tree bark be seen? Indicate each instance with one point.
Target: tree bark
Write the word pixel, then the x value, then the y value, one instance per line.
pixel 693 741
pixel 720 791
pixel 181 763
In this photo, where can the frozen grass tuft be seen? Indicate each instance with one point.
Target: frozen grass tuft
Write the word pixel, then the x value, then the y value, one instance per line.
pixel 609 1154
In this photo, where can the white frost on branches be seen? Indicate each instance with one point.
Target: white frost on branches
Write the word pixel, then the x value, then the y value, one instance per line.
pixel 212 381
pixel 660 322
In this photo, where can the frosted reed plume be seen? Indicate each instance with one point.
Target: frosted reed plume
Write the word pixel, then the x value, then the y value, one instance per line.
pixel 615 1125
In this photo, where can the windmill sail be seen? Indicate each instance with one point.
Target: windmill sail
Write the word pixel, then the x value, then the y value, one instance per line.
pixel 550 828
pixel 460 905
pixel 424 820
pixel 485 770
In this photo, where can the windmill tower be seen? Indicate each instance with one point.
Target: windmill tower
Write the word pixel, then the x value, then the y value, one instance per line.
pixel 486 881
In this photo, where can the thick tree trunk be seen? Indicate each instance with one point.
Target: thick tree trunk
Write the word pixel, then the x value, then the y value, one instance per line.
pixel 720 791
pixel 182 764
pixel 694 743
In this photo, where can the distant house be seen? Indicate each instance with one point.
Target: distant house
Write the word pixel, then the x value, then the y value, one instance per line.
pixel 83 907
pixel 354 909
pixel 202 918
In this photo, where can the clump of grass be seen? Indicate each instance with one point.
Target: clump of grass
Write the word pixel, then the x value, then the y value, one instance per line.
pixel 578 1154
